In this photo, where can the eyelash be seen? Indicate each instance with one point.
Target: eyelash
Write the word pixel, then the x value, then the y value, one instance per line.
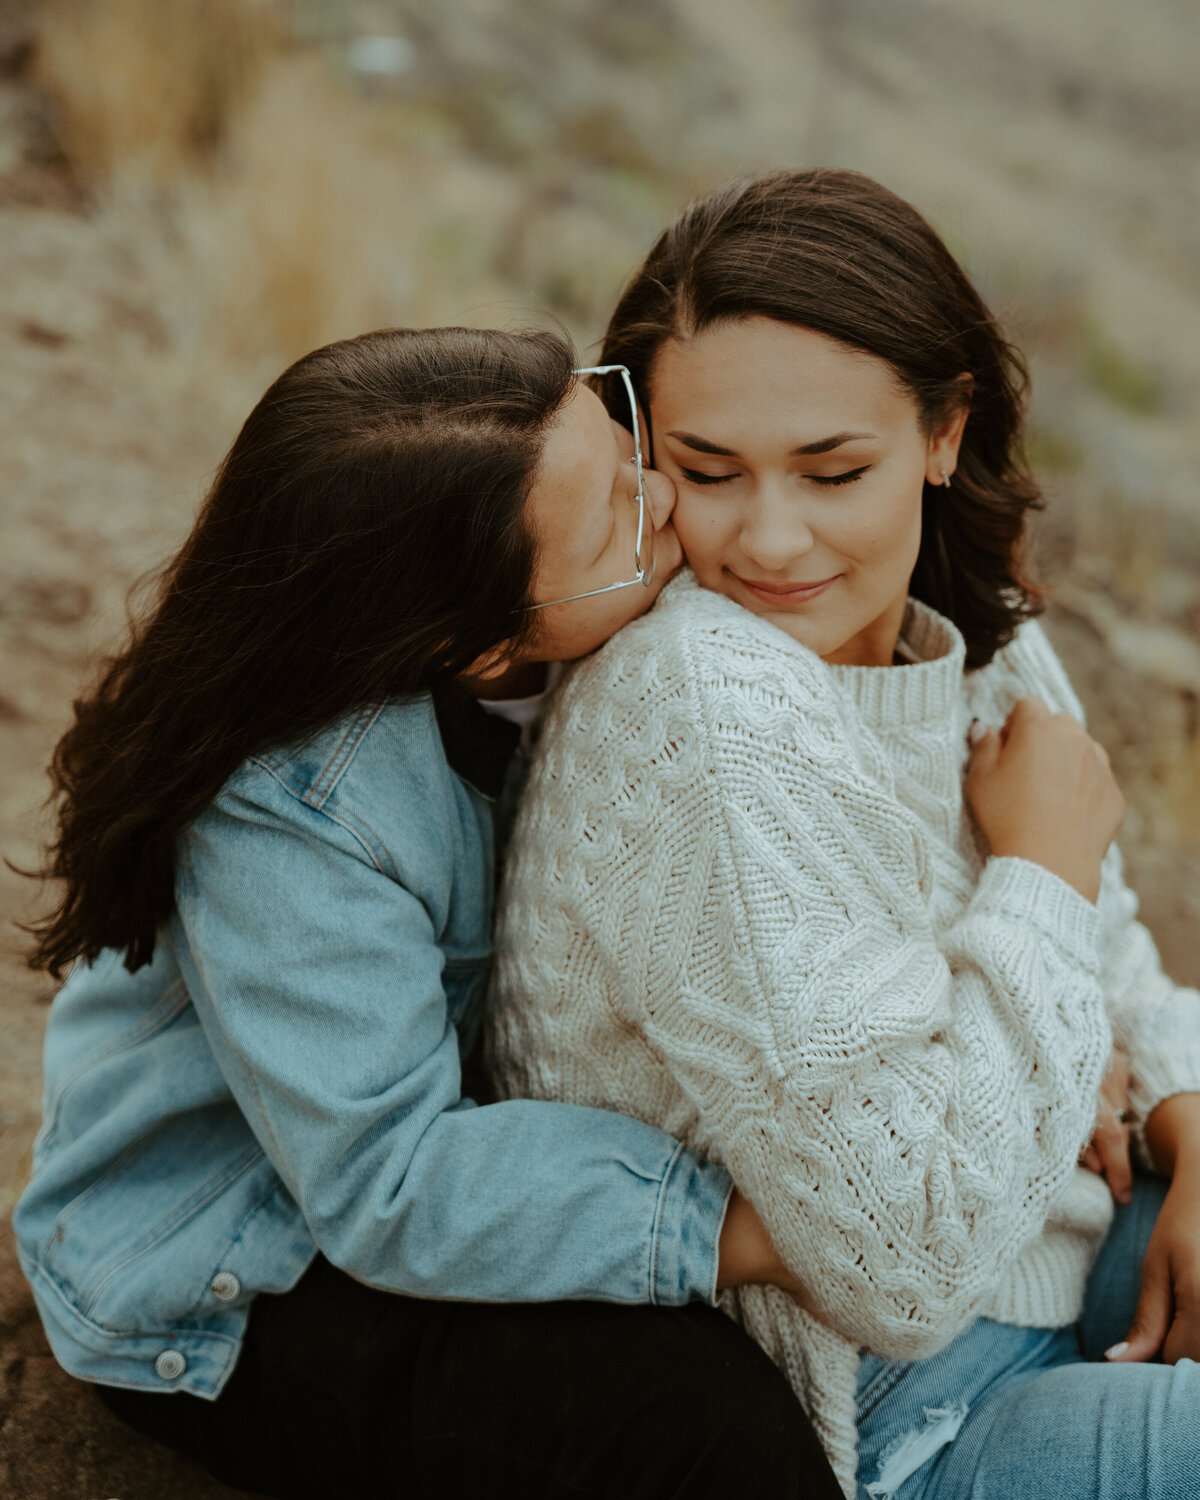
pixel 695 478
pixel 847 478
pixel 828 480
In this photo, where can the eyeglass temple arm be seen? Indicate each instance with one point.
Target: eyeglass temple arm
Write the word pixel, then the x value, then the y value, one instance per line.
pixel 627 381
pixel 608 588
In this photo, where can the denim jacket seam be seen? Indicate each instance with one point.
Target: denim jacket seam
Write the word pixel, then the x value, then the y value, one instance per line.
pixel 41 1273
pixel 660 1209
pixel 335 767
pixel 199 1199
pixel 367 836
pixel 237 1237
pixel 172 1001
pixel 252 1085
pixel 358 828
pixel 70 1210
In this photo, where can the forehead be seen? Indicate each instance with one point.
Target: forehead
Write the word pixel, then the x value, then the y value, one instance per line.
pixel 758 373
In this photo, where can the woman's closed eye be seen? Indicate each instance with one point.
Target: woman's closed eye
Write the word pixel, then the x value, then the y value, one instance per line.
pixel 848 477
pixel 695 477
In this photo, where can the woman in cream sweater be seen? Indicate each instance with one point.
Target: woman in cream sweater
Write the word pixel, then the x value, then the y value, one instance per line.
pixel 815 872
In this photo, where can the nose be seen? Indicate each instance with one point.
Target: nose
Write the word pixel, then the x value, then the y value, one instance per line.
pixel 774 532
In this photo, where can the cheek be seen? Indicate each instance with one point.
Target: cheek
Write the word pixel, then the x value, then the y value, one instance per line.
pixel 703 530
pixel 887 534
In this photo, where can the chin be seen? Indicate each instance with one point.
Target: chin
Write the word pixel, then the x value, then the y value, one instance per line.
pixel 814 635
pixel 802 632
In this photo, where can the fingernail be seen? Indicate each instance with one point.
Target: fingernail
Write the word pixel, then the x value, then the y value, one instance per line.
pixel 978 731
pixel 1117 1350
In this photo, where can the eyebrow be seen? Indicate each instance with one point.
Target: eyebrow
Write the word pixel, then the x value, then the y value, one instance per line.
pixel 822 445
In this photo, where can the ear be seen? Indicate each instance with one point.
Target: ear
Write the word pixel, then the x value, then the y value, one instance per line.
pixel 946 435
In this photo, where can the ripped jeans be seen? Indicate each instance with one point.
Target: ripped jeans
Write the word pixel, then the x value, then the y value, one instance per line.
pixel 1006 1413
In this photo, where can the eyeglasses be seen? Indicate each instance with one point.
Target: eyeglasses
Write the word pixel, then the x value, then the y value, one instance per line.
pixel 644 548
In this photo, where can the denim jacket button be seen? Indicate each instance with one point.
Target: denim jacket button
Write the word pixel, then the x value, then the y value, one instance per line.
pixel 225 1286
pixel 170 1364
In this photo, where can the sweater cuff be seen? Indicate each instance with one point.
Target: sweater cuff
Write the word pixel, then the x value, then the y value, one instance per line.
pixel 1020 891
pixel 687 1230
pixel 1161 1074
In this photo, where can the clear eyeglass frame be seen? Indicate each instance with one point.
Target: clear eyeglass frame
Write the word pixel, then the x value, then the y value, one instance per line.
pixel 644 547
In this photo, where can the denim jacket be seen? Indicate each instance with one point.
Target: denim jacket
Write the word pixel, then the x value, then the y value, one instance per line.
pixel 285 1077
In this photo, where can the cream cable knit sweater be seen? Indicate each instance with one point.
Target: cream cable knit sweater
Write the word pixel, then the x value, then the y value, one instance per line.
pixel 745 903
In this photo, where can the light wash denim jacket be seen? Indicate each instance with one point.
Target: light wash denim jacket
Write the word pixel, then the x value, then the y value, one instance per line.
pixel 285 1077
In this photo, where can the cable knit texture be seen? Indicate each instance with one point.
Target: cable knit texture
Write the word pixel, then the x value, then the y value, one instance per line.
pixel 745 903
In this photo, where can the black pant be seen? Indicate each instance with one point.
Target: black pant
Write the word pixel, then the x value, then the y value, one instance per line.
pixel 345 1391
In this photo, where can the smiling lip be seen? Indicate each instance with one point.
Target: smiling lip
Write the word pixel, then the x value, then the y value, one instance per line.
pixel 786 593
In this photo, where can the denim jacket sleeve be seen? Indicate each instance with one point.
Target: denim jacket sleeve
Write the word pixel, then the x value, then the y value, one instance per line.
pixel 318 978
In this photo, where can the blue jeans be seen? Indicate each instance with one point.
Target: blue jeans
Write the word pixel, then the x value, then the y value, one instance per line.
pixel 1006 1413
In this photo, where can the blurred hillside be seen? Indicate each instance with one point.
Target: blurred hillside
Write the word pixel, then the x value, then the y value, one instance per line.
pixel 193 192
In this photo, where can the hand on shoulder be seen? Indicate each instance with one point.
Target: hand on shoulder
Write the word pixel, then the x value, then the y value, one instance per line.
pixel 1042 789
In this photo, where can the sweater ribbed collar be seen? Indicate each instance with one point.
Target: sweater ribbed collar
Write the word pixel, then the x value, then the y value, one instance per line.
pixel 920 692
pixel 924 690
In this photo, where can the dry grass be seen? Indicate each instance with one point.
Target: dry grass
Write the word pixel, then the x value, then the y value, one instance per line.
pixel 268 212
pixel 147 88
pixel 1181 787
pixel 261 223
pixel 300 238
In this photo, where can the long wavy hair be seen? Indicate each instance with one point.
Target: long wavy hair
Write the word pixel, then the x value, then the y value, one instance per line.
pixel 837 253
pixel 365 539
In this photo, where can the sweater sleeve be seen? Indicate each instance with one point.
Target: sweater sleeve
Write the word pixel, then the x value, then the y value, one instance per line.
pixel 902 1112
pixel 1155 1021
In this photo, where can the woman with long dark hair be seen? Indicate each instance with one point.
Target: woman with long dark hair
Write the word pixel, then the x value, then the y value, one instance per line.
pixel 814 870
pixel 266 1218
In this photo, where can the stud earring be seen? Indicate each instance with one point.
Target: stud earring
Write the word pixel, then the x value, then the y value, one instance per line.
pixel 945 479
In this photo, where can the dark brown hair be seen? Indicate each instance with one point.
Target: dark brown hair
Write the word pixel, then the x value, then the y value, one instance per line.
pixel 836 253
pixel 365 539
